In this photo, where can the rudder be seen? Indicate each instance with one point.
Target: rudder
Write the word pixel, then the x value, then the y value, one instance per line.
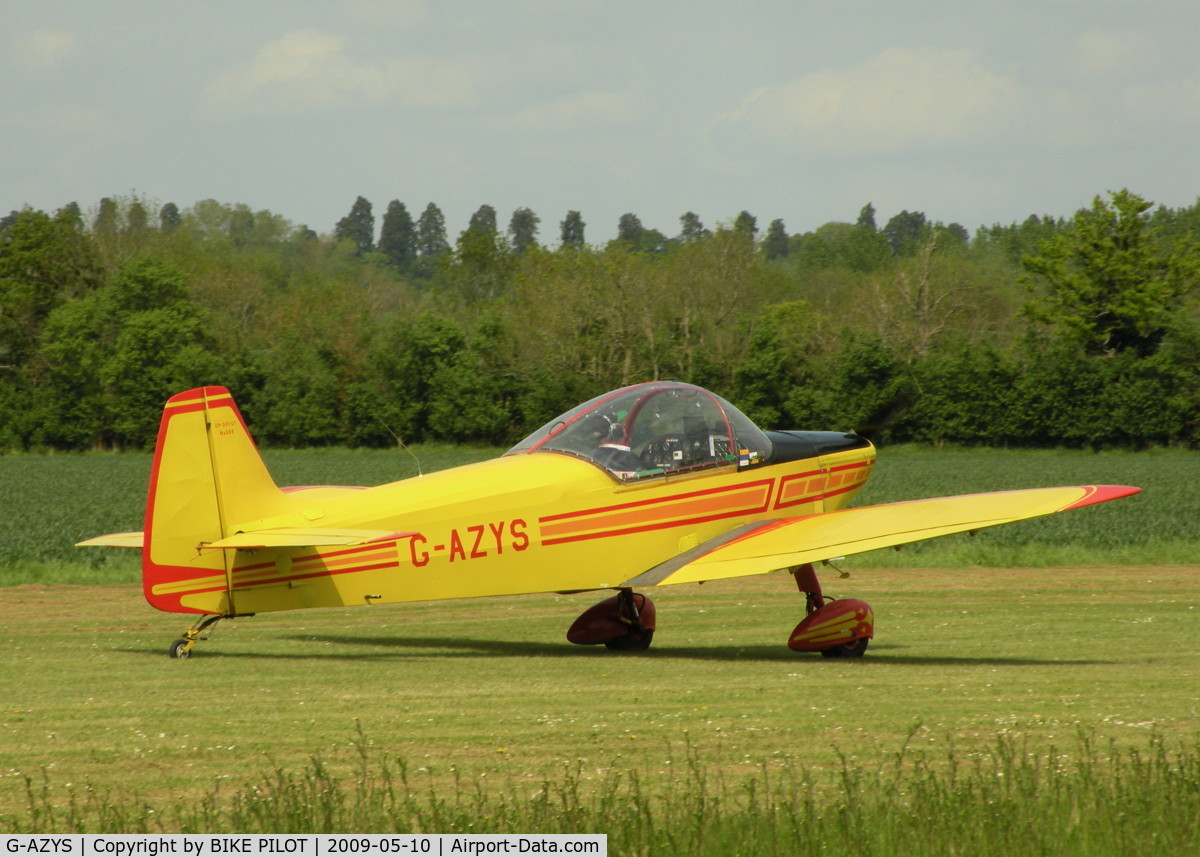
pixel 207 474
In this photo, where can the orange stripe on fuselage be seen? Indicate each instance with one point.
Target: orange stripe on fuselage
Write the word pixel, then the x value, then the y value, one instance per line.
pixel 646 515
pixel 814 485
pixel 800 488
pixel 364 558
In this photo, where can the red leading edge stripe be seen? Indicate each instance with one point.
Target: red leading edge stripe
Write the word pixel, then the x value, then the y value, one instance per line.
pixel 1102 494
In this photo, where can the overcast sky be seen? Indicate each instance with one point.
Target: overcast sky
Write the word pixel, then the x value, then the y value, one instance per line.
pixel 805 110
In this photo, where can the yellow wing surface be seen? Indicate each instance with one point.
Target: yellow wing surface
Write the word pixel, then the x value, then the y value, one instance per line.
pixel 765 546
pixel 115 540
pixel 294 537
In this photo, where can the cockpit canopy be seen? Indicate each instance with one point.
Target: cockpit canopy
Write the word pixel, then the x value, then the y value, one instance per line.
pixel 653 429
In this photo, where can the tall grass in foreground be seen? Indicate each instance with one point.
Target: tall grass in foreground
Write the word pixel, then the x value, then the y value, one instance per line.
pixel 1002 801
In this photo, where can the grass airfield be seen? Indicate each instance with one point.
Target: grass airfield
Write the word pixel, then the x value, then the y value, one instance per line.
pixel 488 691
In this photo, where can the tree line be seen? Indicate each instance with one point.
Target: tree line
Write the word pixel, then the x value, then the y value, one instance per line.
pixel 1078 331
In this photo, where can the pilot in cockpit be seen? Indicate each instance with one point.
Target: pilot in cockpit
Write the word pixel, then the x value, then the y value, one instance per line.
pixel 613 452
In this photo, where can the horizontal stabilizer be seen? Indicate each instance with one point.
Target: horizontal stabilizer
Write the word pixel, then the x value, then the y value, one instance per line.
pixel 294 537
pixel 786 542
pixel 114 540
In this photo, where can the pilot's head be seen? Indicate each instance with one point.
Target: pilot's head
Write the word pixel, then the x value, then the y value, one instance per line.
pixel 616 436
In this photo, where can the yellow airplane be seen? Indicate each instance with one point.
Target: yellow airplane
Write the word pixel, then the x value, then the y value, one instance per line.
pixel 655 484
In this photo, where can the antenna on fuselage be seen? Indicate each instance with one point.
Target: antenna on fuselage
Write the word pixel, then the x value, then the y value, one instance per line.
pixel 403 445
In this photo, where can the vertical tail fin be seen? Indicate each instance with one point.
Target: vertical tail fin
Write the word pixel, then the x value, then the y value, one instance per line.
pixel 207 474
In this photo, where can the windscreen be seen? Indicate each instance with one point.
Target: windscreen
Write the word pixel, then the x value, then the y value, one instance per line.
pixel 653 429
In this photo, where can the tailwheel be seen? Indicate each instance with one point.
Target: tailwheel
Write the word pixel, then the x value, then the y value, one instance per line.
pixel 622 623
pixel 182 648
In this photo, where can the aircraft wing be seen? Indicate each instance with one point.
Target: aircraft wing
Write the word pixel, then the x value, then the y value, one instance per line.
pixel 296 537
pixel 279 537
pixel 114 540
pixel 765 546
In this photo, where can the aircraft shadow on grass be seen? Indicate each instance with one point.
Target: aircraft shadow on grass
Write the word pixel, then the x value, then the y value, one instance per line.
pixel 398 648
pixel 460 647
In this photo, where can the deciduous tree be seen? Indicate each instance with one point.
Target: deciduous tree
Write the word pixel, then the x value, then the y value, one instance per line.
pixel 904 231
pixel 44 262
pixel 1107 282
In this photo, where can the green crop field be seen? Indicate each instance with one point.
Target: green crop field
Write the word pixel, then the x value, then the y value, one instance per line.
pixel 47 503
pixel 1000 710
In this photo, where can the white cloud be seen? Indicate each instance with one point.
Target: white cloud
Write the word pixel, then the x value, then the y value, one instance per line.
pixel 43 49
pixel 311 69
pixel 1103 53
pixel 385 13
pixel 900 99
pixel 68 120
pixel 1169 103
pixel 587 108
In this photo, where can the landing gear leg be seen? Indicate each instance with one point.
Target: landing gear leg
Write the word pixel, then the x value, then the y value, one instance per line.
pixel 182 648
pixel 806 582
pixel 629 613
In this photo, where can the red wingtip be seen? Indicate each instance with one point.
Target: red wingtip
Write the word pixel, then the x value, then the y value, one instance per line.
pixel 1102 494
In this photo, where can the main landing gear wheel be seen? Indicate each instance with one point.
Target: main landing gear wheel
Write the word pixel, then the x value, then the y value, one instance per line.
pixel 847 650
pixel 837 628
pixel 634 641
pixel 181 648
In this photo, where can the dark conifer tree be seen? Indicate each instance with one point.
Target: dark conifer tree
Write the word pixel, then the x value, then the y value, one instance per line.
pixel 571 230
pixel 775 245
pixel 107 217
pixel 484 220
pixel 136 219
pixel 72 214
pixel 169 217
pixel 432 244
pixel 866 218
pixel 398 236
pixel 358 226
pixel 522 229
pixel 431 232
pixel 747 224
pixel 690 228
pixel 629 229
